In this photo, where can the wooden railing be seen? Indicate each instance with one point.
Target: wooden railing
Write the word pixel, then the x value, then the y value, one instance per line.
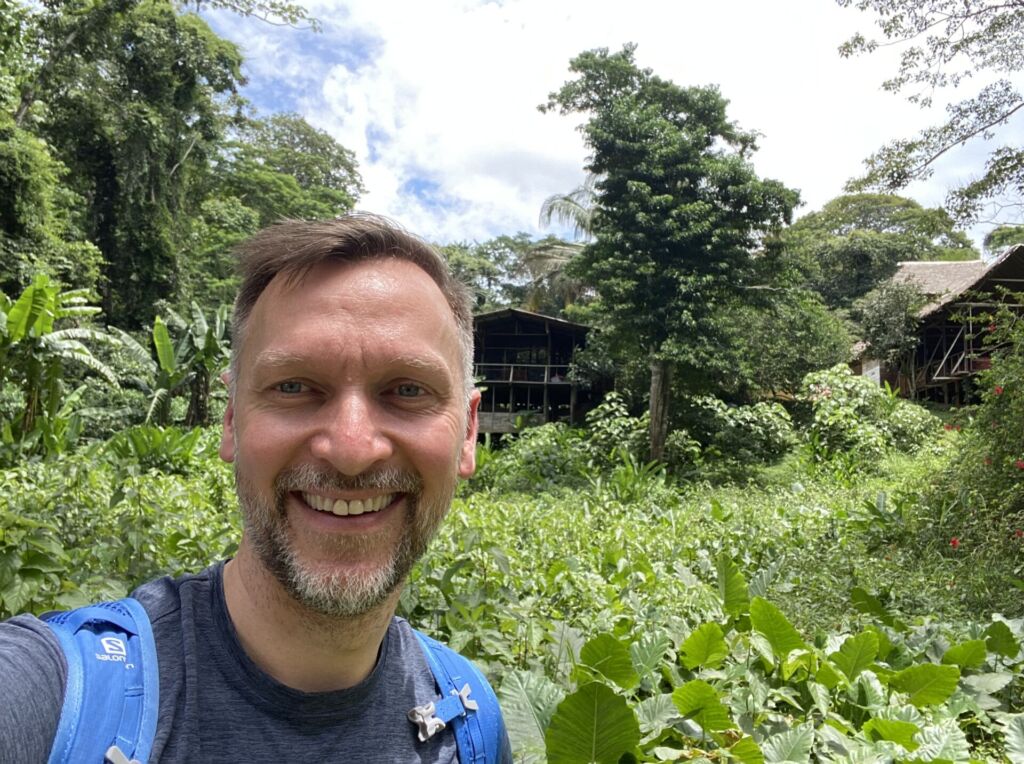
pixel 536 373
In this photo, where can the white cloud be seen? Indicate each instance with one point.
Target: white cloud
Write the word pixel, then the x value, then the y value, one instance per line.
pixel 450 89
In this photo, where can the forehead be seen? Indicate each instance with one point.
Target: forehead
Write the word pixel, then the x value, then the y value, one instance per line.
pixel 390 300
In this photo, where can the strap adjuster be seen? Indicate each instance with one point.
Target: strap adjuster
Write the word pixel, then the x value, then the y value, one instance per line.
pixel 433 717
pixel 115 755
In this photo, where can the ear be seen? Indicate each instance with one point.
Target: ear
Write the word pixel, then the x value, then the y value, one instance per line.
pixel 467 456
pixel 227 437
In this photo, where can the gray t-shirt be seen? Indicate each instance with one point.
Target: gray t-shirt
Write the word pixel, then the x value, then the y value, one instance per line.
pixel 216 705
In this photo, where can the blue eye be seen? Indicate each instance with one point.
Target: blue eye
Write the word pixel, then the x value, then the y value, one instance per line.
pixel 409 390
pixel 291 387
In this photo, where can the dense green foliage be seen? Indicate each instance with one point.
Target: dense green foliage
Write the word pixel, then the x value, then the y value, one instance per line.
pixel 127 163
pixel 854 422
pixel 777 618
pixel 889 318
pixel 855 242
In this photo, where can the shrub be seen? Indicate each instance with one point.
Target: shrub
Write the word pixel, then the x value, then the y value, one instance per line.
pixel 761 433
pixel 538 458
pixel 985 486
pixel 854 421
pixel 610 429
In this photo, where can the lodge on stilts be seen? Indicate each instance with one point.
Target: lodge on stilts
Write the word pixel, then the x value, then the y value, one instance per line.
pixel 521 362
pixel 962 296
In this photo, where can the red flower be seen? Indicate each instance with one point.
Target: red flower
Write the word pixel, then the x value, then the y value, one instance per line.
pixel 1019 464
pixel 947 427
pixel 998 390
pixel 1018 534
pixel 954 542
pixel 991 327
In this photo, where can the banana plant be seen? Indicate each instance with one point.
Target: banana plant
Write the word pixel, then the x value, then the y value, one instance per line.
pixel 187 362
pixel 210 355
pixel 34 348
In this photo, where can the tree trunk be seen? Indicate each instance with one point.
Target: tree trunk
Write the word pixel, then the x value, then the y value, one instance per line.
pixel 198 414
pixel 661 377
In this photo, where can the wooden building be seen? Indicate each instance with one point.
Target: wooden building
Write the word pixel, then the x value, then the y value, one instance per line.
pixel 954 322
pixel 521 362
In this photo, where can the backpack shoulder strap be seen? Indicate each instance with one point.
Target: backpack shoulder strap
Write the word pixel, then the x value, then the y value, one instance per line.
pixel 112 690
pixel 467 702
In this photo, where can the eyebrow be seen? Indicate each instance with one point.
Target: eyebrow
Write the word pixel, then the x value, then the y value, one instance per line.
pixel 277 359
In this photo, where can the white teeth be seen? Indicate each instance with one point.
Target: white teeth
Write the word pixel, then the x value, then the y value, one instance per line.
pixel 346 508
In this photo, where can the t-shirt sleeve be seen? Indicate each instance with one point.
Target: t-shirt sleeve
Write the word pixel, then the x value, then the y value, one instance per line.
pixel 32 676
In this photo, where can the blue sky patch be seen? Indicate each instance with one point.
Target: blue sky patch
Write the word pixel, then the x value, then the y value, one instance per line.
pixel 431 195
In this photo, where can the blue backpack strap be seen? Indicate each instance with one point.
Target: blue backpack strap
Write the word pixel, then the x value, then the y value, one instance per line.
pixel 467 702
pixel 112 691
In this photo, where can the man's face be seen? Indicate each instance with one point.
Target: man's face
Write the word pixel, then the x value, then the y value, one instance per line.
pixel 349 427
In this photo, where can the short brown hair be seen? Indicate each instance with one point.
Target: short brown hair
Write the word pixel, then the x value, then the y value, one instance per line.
pixel 294 247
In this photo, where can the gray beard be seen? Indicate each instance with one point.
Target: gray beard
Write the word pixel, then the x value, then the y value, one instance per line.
pixel 338 594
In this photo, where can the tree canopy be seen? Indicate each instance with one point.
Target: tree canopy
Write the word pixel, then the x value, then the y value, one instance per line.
pixel 945 44
pixel 855 242
pixel 129 161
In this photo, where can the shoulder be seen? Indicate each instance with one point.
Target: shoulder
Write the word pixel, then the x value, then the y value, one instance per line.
pixel 162 597
pixel 452 672
pixel 32 673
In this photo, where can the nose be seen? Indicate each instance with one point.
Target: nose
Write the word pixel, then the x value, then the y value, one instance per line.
pixel 349 436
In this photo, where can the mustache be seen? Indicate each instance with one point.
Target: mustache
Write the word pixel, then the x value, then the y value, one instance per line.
pixel 306 477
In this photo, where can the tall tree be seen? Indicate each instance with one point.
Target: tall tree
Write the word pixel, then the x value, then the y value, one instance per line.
pixel 679 210
pixel 135 104
pixel 945 43
pixel 281 166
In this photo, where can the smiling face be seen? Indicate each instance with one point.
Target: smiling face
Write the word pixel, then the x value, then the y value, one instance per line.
pixel 349 427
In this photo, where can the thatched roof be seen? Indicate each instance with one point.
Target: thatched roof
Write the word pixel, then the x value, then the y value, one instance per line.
pixel 942 281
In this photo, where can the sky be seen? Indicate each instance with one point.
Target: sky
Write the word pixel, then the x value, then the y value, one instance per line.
pixel 438 98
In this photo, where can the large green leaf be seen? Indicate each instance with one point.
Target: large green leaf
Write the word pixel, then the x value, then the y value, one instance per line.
pixel 856 654
pixel 732 586
pixel 164 348
pixel 891 729
pixel 776 628
pixel 790 746
pixel 999 639
pixel 1013 730
pixel 705 646
pixel 970 654
pixel 648 652
pixel 608 656
pixel 868 603
pixel 591 725
pixel 747 751
pixel 27 309
pixel 698 700
pixel 927 684
pixel 944 741
pixel 528 701
pixel 655 714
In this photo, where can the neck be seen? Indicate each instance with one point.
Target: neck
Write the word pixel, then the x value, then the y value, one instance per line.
pixel 302 649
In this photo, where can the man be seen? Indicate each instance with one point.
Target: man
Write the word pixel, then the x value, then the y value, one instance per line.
pixel 351 417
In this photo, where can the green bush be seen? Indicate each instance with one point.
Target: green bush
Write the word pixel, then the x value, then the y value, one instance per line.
pixel 855 422
pixel 92 525
pixel 982 493
pixel 538 458
pixel 611 429
pixel 760 433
